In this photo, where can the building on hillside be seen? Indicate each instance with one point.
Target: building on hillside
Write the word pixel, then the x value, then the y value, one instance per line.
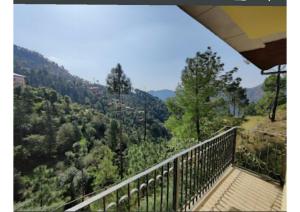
pixel 95 90
pixel 19 80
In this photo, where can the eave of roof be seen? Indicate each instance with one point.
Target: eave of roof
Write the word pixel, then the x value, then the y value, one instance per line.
pixel 256 32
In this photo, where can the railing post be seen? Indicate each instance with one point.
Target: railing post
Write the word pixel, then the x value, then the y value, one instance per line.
pixel 283 169
pixel 234 145
pixel 176 180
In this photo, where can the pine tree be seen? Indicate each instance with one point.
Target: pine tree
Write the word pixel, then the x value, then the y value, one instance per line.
pixel 119 84
pixel 196 97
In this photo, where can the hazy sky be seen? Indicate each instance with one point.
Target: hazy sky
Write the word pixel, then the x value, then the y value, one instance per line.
pixel 150 42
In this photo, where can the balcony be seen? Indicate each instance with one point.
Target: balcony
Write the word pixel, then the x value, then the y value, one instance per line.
pixel 241 190
pixel 219 174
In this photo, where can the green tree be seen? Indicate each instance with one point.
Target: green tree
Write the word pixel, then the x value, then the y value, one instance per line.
pixel 144 155
pixel 236 95
pixel 43 187
pixel 118 84
pixel 266 103
pixel 75 178
pixel 37 145
pixel 101 158
pixel 197 99
pixel 67 135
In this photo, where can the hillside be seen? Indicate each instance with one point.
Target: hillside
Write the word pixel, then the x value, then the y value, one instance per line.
pixel 66 129
pixel 263 123
pixel 42 72
pixel 163 94
pixel 254 94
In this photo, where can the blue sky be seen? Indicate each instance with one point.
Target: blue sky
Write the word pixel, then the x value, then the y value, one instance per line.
pixel 150 42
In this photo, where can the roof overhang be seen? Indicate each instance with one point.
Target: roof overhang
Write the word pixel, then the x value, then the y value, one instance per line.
pixel 256 32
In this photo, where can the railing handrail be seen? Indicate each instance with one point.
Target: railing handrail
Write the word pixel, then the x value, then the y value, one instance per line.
pixel 142 174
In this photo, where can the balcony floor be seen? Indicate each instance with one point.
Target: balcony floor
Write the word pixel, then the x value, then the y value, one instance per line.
pixel 240 190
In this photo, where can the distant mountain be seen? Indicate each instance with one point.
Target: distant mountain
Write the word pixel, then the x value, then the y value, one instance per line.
pixel 256 93
pixel 42 72
pixel 162 94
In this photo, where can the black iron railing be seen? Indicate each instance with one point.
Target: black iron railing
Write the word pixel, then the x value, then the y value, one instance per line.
pixel 172 185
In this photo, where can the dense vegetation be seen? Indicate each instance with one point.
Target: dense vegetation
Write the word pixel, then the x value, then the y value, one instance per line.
pixel 265 104
pixel 207 98
pixel 262 141
pixel 72 137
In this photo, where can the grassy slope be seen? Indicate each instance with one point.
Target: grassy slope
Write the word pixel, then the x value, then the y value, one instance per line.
pixel 263 123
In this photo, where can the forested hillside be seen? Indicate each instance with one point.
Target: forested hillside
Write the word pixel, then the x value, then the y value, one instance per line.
pixel 41 72
pixel 255 94
pixel 73 137
pixel 66 129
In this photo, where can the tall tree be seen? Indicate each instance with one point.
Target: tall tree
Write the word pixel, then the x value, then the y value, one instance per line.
pixel 43 187
pixel 75 178
pixel 197 96
pixel 236 96
pixel 276 89
pixel 119 84
pixel 271 90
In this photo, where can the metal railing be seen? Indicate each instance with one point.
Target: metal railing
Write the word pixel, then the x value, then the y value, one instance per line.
pixel 172 185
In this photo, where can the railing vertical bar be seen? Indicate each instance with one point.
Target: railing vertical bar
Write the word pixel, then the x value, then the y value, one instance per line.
pixel 162 187
pixel 186 180
pixel 167 197
pixel 181 179
pixel 275 159
pixel 219 156
pixel 104 205
pixel 234 132
pixel 117 200
pixel 202 170
pixel 138 194
pixel 227 149
pixel 215 160
pixel 176 176
pixel 211 163
pixel 154 190
pixel 207 167
pixel 128 193
pixel 191 177
pixel 222 153
pixel 197 172
pixel 147 195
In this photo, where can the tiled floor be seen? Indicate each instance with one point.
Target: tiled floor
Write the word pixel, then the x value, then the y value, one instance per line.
pixel 240 190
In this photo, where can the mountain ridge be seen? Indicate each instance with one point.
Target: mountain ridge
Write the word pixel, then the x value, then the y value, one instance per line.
pixel 254 93
pixel 42 72
pixel 162 94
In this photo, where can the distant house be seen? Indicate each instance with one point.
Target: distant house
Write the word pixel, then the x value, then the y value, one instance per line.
pixel 19 80
pixel 94 89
